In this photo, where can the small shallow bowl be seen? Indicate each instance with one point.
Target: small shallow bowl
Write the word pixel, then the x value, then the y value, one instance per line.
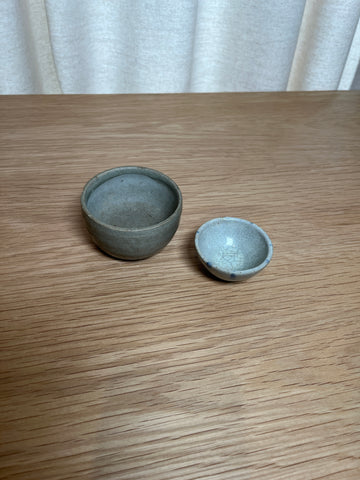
pixel 131 212
pixel 233 249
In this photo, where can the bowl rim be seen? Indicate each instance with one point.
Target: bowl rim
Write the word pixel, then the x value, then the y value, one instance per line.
pixel 244 272
pixel 105 175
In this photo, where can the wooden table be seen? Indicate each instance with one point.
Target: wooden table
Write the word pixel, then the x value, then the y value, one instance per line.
pixel 153 369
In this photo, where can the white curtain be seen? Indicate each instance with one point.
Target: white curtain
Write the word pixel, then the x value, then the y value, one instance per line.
pixel 128 46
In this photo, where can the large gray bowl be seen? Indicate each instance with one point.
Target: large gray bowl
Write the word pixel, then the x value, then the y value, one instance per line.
pixel 131 212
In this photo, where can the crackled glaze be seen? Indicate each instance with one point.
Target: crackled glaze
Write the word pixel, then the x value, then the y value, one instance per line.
pixel 233 249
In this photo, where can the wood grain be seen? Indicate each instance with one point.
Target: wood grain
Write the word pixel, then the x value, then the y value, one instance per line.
pixel 153 369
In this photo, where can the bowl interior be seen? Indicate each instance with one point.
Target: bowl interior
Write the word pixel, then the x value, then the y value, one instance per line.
pixel 132 200
pixel 232 245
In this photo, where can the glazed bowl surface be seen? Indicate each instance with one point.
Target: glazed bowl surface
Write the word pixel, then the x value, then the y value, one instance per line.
pixel 132 212
pixel 233 249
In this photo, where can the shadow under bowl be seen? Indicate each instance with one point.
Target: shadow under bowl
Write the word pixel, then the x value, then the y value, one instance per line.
pixel 233 249
pixel 132 212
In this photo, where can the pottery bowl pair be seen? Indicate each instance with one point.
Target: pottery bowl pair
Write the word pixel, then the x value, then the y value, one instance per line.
pixel 131 213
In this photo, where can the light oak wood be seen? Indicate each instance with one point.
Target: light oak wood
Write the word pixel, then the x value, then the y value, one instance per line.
pixel 153 369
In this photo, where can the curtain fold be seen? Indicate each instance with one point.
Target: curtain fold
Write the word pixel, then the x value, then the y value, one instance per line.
pixel 326 38
pixel 352 64
pixel 159 46
pixel 245 46
pixel 26 59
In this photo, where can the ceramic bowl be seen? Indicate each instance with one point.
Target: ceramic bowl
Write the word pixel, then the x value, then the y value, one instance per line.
pixel 233 249
pixel 131 212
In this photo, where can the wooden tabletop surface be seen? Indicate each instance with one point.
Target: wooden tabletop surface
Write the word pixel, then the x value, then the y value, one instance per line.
pixel 153 369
